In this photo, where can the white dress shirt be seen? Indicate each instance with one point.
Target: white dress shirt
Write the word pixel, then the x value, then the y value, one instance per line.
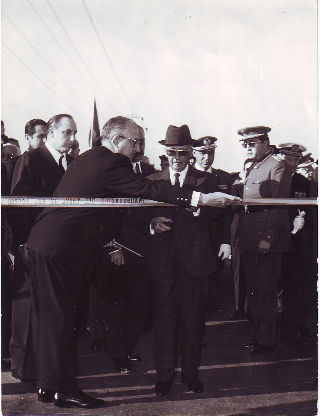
pixel 56 155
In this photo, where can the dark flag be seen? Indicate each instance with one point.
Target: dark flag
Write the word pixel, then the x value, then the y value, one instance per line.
pixel 94 133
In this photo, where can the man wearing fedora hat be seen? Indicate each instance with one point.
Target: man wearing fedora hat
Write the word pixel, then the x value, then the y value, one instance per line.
pixel 298 277
pixel 263 235
pixel 182 258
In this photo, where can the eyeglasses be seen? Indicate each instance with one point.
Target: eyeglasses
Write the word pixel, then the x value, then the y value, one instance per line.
pixel 135 142
pixel 171 152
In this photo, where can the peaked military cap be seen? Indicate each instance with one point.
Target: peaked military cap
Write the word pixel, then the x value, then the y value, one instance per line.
pixel 292 149
pixel 206 142
pixel 258 133
pixel 177 136
pixel 306 160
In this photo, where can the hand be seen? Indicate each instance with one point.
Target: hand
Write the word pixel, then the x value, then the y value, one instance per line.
pixel 217 199
pixel 160 224
pixel 117 258
pixel 264 246
pixel 225 251
pixel 298 222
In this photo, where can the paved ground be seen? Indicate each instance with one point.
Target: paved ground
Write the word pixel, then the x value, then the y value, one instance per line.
pixel 283 383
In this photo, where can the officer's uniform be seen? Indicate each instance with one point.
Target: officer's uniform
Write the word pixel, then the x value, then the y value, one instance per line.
pixel 298 277
pixel 266 178
pixel 224 181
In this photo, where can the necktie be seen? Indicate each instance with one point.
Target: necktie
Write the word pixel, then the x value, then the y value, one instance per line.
pixel 176 179
pixel 61 165
pixel 137 169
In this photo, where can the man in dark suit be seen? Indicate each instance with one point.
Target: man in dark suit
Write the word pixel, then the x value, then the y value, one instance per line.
pixel 263 235
pixel 182 258
pixel 298 277
pixel 204 150
pixel 125 285
pixel 35 133
pixel 63 244
pixel 37 173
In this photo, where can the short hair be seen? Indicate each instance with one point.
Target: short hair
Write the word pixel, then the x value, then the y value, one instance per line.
pixel 53 121
pixel 30 126
pixel 114 126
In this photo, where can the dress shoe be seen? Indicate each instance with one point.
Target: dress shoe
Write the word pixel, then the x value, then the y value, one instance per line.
pixel 259 349
pixel 134 357
pixel 18 374
pixel 122 365
pixel 45 395
pixel 162 387
pixel 195 385
pixel 77 399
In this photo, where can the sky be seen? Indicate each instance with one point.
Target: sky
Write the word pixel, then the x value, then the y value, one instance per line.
pixel 215 65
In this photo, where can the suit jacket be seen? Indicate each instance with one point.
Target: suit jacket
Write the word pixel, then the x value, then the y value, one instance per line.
pixel 74 235
pixel 36 174
pixel 133 232
pixel 192 236
pixel 269 178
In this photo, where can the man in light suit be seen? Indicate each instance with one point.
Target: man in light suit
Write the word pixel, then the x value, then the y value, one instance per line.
pixel 263 235
pixel 181 260
pixel 37 173
pixel 63 243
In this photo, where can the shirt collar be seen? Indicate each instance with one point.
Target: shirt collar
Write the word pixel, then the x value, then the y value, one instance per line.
pixel 182 175
pixel 55 154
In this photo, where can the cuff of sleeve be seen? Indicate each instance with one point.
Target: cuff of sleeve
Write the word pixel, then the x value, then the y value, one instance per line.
pixel 151 230
pixel 195 198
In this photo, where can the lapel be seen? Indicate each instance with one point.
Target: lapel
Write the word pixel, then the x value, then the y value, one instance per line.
pixel 164 175
pixel 257 165
pixel 48 156
pixel 190 179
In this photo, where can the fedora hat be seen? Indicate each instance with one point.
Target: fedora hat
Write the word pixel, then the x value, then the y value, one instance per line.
pixel 177 136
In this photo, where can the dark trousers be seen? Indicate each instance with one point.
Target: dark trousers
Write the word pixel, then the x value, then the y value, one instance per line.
pixel 21 351
pixel 239 280
pixel 262 273
pixel 179 303
pixel 123 292
pixel 55 288
pixel 6 302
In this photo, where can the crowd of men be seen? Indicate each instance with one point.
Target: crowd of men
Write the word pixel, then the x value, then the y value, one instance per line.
pixel 122 271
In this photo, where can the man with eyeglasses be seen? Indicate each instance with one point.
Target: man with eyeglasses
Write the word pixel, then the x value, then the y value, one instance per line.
pixel 64 243
pixel 204 152
pixel 263 235
pixel 181 262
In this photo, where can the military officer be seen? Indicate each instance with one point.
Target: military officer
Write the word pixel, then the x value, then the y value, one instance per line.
pixel 263 235
pixel 204 153
pixel 298 279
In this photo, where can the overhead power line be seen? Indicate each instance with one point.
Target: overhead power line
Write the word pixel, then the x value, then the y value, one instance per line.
pixel 41 56
pixel 106 54
pixel 57 42
pixel 80 57
pixel 39 79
